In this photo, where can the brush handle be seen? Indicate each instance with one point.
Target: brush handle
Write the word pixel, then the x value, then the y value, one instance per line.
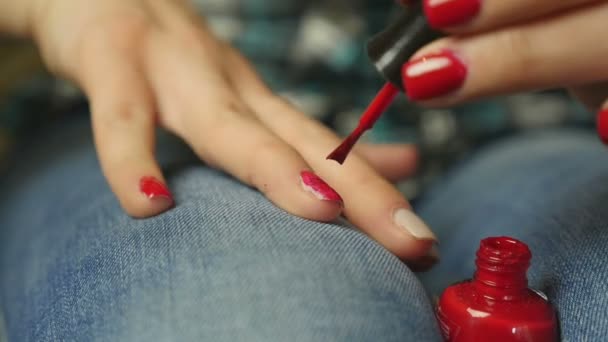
pixel 391 48
pixel 381 102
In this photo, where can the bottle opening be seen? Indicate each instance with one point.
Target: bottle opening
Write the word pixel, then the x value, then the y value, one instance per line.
pixel 504 251
pixel 502 263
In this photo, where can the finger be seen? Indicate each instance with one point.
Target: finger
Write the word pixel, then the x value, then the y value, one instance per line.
pixel 123 125
pixel 525 57
pixel 371 203
pixel 481 15
pixel 198 104
pixel 393 161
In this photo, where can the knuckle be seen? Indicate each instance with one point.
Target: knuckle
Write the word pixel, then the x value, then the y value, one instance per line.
pixel 267 150
pixel 307 126
pixel 125 31
pixel 219 124
pixel 120 113
pixel 264 153
pixel 194 37
pixel 231 106
pixel 519 49
pixel 228 111
pixel 112 163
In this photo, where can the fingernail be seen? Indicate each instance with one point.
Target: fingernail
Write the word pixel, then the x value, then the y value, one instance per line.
pixel 315 185
pixel 446 13
pixel 155 189
pixel 433 75
pixel 425 262
pixel 409 221
pixel 602 125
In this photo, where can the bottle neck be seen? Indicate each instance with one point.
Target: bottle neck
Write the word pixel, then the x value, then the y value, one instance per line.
pixel 502 263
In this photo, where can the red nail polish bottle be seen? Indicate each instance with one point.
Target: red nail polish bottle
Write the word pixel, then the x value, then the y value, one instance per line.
pixel 497 305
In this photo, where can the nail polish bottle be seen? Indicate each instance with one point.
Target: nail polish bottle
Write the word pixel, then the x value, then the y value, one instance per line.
pixel 497 305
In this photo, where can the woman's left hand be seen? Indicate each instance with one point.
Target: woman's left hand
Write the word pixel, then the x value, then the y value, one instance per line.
pixel 502 46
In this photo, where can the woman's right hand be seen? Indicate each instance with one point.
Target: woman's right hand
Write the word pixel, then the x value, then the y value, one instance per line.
pixel 148 62
pixel 498 47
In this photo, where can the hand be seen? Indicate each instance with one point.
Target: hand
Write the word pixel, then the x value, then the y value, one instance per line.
pixel 502 46
pixel 149 62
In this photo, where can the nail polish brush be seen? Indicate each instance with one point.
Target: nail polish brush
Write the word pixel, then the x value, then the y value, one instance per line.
pixel 388 51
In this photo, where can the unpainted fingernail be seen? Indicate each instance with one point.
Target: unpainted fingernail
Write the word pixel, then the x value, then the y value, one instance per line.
pixel 319 188
pixel 155 190
pixel 406 219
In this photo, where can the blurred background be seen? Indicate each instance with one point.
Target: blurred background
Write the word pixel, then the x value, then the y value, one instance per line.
pixel 312 53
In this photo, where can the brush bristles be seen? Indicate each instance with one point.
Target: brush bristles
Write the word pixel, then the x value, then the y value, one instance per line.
pixel 342 151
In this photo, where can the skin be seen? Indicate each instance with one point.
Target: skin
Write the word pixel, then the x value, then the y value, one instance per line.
pixel 523 45
pixel 144 63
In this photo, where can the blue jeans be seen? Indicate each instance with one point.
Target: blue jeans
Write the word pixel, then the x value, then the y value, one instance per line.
pixel 226 265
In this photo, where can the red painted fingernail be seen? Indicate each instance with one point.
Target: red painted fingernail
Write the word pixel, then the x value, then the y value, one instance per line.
pixel 433 75
pixel 602 125
pixel 315 185
pixel 447 13
pixel 154 189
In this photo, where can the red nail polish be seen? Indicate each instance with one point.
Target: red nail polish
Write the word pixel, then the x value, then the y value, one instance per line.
pixel 433 75
pixel 318 187
pixel 497 305
pixel 602 125
pixel 445 13
pixel 153 188
pixel 376 108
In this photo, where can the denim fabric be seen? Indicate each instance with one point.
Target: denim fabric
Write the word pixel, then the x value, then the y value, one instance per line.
pixel 226 265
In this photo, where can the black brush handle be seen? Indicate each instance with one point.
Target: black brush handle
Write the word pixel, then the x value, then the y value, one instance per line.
pixel 391 48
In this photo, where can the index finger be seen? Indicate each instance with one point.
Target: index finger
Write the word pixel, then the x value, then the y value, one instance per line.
pixel 466 16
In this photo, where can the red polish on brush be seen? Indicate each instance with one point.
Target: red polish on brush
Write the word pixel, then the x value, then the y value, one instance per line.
pixel 497 305
pixel 385 97
pixel 389 51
